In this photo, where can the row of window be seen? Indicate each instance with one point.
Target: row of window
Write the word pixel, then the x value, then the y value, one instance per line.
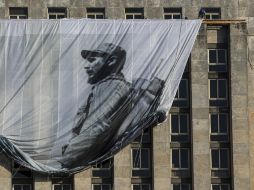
pixel 182 186
pixel 218 93
pixel 180 128
pixel 181 158
pixel 99 13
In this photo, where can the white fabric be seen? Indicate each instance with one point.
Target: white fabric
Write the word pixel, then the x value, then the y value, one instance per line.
pixel 43 82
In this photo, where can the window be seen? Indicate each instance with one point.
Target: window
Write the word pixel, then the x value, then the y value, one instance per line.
pixel 103 169
pixel 180 158
pixel 57 12
pixel 179 123
pixel 172 13
pixel 182 95
pixel 134 13
pixel 220 187
pixel 18 12
pixel 145 137
pixel 61 186
pixel 95 13
pixel 219 126
pixel 218 92
pixel 180 186
pixel 220 158
pixel 22 187
pixel 140 186
pixel 140 158
pixel 217 59
pixel 141 162
pixel 104 165
pixel 19 171
pixel 212 13
pixel 101 186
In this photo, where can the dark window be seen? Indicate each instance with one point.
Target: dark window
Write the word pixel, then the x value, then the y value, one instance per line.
pixel 96 13
pixel 172 13
pixel 62 187
pixel 219 126
pixel 180 158
pixel 140 158
pixel 220 158
pixel 217 60
pixel 141 162
pixel 220 186
pixel 107 164
pixel 219 123
pixel 57 12
pixel 101 186
pixel 134 13
pixel 19 171
pixel 179 127
pixel 103 169
pixel 145 137
pixel 22 187
pixel 18 12
pixel 182 95
pixel 181 186
pixel 212 13
pixel 218 92
pixel 140 186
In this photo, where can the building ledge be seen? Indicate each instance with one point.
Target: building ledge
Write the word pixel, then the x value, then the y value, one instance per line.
pixel 224 22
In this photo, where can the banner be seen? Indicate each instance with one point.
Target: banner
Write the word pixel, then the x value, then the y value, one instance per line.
pixel 75 92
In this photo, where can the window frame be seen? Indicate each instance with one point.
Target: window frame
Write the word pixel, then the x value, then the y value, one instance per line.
pixel 179 123
pixel 20 169
pixel 101 184
pixel 95 12
pixel 140 160
pixel 140 185
pixel 218 123
pixel 62 184
pixel 217 86
pixel 134 11
pixel 228 185
pixel 22 184
pixel 18 15
pixel 64 13
pixel 212 11
pixel 217 59
pixel 228 159
pixel 178 90
pixel 189 185
pixel 99 166
pixel 172 11
pixel 179 156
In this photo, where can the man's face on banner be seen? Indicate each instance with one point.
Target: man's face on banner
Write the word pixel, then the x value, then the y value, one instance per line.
pixel 93 66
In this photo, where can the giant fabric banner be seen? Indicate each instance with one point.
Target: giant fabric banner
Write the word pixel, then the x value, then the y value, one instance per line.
pixel 75 92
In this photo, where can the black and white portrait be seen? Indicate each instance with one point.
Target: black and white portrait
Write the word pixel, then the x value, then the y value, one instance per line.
pixel 113 105
pixel 83 89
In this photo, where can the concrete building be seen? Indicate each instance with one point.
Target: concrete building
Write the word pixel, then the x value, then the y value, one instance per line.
pixel 206 142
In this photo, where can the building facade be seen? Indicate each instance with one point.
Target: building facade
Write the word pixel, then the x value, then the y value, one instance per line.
pixel 207 141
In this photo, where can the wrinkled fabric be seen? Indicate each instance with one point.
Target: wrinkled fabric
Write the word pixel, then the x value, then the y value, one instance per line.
pixel 53 118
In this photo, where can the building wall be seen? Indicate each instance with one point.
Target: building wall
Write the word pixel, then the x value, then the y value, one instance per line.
pixel 241 99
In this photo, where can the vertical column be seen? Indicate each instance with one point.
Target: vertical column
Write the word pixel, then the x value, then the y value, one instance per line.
pixel 42 182
pixel 82 180
pixel 122 169
pixel 200 113
pixel 161 157
pixel 251 103
pixel 5 172
pixel 240 132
